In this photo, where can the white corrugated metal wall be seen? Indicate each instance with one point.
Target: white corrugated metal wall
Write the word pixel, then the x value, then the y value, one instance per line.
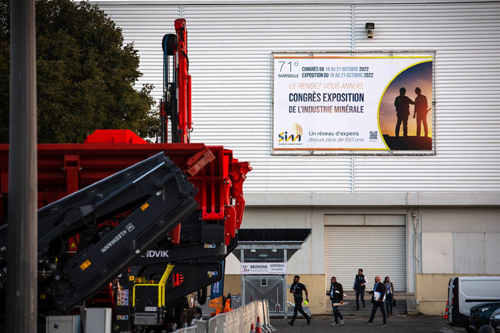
pixel 230 57
pixel 467 82
pixel 145 26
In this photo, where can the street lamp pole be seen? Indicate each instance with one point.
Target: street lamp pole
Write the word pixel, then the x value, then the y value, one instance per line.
pixel 22 291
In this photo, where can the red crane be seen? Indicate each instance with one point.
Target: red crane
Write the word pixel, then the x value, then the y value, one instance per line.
pixel 67 168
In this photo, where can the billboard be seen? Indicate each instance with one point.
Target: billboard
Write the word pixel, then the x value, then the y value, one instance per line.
pixel 369 103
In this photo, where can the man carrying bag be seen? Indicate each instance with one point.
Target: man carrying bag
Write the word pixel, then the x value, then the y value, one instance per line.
pixel 378 300
pixel 296 289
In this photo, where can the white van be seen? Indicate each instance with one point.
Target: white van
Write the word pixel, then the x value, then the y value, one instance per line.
pixel 465 292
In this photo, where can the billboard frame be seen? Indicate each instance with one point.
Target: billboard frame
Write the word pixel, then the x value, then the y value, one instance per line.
pixel 348 152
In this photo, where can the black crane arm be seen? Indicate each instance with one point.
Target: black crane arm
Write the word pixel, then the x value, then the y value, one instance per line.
pixel 160 196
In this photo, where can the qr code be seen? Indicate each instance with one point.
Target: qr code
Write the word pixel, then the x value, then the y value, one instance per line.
pixel 373 135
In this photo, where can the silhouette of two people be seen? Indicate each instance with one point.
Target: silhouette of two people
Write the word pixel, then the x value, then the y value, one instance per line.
pixel 402 104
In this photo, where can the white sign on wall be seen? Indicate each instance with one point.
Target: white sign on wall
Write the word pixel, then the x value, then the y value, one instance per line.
pixel 363 102
pixel 263 268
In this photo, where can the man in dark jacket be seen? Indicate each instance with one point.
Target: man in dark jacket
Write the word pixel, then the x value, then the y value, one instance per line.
pixel 337 297
pixel 296 289
pixel 359 286
pixel 378 300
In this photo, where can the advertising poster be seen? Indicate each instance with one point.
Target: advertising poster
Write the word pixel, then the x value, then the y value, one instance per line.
pixel 371 103
pixel 263 268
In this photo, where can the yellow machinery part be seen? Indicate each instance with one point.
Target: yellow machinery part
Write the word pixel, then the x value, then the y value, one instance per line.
pixel 160 285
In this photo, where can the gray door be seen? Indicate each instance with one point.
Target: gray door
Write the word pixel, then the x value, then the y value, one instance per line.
pixel 379 250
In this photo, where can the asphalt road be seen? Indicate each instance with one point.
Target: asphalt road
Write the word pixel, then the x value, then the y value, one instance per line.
pixel 356 324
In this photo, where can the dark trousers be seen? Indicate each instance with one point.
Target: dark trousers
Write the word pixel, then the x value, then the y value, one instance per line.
pixel 298 308
pixel 336 312
pixel 403 120
pixel 360 293
pixel 422 119
pixel 374 309
pixel 388 303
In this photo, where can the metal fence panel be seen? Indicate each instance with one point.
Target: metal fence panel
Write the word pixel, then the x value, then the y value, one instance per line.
pixel 221 323
pixel 237 321
pixel 212 325
pixel 191 329
pixel 235 302
pixel 268 319
pixel 202 325
pixel 230 322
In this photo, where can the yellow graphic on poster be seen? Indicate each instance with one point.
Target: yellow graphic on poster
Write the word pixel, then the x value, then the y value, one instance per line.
pixel 363 102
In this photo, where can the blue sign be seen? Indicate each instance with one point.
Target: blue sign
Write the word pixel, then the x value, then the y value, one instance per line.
pixel 217 289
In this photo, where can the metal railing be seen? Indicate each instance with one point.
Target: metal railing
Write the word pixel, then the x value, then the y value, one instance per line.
pixel 239 320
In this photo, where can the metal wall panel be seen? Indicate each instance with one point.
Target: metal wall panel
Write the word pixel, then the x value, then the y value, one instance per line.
pixel 230 50
pixel 469 253
pixel 492 249
pixel 467 134
pixel 378 250
pixel 438 254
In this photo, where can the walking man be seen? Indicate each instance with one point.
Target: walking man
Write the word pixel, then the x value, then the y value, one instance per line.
pixel 402 104
pixel 421 109
pixel 378 300
pixel 359 286
pixel 337 297
pixel 296 289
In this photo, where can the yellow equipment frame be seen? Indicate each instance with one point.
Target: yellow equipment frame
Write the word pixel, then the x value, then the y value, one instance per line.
pixel 160 285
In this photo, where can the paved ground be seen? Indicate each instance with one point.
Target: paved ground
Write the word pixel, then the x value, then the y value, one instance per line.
pixel 356 324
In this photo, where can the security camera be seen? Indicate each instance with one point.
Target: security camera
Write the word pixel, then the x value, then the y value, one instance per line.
pixel 370 26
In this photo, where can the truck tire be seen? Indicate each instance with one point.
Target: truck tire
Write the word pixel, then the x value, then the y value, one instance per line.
pixel 202 295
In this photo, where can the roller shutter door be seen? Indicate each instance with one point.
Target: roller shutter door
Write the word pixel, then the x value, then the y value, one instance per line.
pixel 379 250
